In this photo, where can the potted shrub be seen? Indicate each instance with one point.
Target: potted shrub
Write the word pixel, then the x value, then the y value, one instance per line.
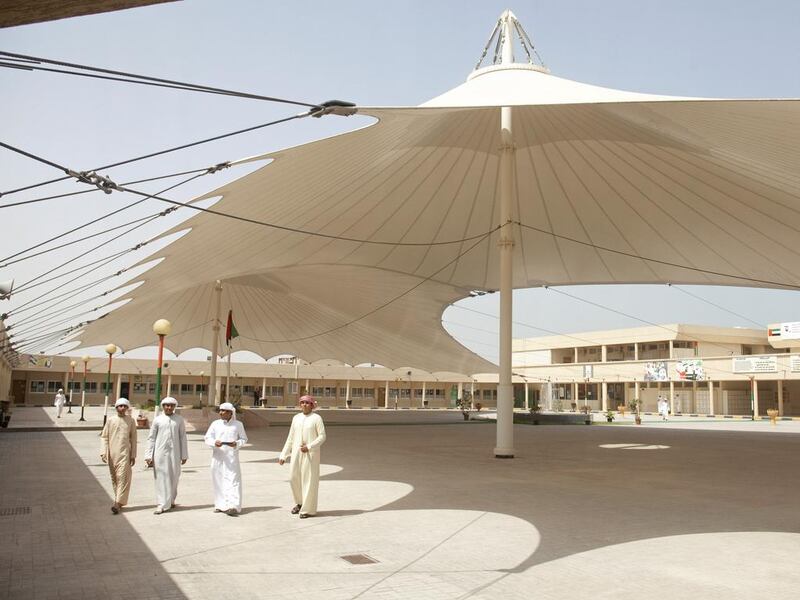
pixel 610 416
pixel 463 404
pixel 772 413
pixel 621 409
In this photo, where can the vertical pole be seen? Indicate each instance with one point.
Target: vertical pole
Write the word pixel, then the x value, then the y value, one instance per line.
pixel 710 397
pixel 472 395
pixel 754 388
pixel 263 390
pixel 71 385
pixel 671 395
pixel 423 395
pixel 780 397
pixel 347 395
pixel 527 403
pixel 505 389
pixel 386 396
pixel 118 386
pixel 212 380
pixel 158 370
pixel 169 385
pixel 604 393
pixel 228 396
pixel 108 390
pixel 83 391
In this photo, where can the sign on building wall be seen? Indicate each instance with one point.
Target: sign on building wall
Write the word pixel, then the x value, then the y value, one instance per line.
pixel 43 362
pixel 588 371
pixel 794 363
pixel 690 370
pixel 755 364
pixel 784 331
pixel 656 371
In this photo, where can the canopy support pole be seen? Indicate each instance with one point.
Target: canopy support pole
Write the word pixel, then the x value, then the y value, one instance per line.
pixel 212 381
pixel 505 388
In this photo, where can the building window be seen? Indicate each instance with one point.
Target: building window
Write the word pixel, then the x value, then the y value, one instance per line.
pixel 37 387
pixel 91 387
pixel 369 392
pixel 187 389
pixel 356 392
pixel 316 390
pixel 201 388
pixel 248 389
pixel 141 388
pixel 293 388
pixel 103 387
pixel 490 395
pixel 53 386
pixel 343 392
pixel 75 386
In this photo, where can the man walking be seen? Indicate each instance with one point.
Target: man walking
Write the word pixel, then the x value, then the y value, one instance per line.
pixel 167 450
pixel 59 402
pixel 306 435
pixel 225 436
pixel 119 452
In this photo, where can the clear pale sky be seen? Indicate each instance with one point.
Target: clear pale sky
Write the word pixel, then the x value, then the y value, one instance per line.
pixel 399 53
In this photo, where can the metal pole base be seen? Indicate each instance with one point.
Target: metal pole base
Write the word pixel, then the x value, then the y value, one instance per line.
pixel 81 419
pixel 503 453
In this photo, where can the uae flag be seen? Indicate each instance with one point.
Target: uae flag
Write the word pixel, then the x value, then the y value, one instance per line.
pixel 230 329
pixel 774 331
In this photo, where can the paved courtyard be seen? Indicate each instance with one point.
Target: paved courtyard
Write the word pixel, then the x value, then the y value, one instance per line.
pixel 608 511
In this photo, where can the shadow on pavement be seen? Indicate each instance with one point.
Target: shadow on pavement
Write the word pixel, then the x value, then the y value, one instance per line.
pixel 69 544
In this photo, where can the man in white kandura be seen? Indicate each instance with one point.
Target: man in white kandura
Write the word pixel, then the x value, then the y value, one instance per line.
pixel 226 435
pixel 167 450
pixel 306 435
pixel 59 402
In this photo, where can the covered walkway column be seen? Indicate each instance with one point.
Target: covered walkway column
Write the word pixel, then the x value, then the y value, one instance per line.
pixel 671 394
pixel 386 396
pixel 710 397
pixel 754 391
pixel 604 393
pixel 347 395
pixel 780 397
pixel 527 404
pixel 263 390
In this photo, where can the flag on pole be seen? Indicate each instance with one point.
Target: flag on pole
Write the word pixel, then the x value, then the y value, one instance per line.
pixel 230 329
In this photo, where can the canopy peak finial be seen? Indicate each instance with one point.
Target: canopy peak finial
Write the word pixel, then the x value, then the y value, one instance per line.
pixel 502 38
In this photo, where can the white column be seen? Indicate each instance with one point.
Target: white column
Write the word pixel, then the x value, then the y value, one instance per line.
pixel 575 393
pixel 308 387
pixel 575 354
pixel 671 349
pixel 386 396
pixel 754 387
pixel 527 403
pixel 636 351
pixel 693 405
pixel 118 386
pixel 460 391
pixel 263 390
pixel 604 393
pixel 603 353
pixel 347 395
pixel 710 397
pixel 505 388
pixel 780 397
pixel 213 383
pixel 169 385
pixel 423 395
pixel 671 390
pixel 472 395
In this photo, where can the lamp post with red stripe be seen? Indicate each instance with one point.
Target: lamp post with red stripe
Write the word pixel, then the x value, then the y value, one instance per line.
pixel 162 329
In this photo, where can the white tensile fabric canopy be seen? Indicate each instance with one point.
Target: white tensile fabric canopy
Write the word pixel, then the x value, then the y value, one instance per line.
pixel 608 187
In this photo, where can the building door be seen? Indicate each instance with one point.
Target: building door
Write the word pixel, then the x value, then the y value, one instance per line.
pixel 18 390
pixel 125 389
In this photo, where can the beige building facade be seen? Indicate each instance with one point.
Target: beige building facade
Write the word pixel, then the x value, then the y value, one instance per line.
pixel 700 370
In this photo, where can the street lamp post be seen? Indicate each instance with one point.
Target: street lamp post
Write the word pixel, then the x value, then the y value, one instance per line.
pixel 110 349
pixel 85 360
pixel 162 329
pixel 201 388
pixel 72 364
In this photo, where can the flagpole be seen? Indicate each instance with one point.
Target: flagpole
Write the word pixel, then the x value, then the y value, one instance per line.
pixel 228 378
